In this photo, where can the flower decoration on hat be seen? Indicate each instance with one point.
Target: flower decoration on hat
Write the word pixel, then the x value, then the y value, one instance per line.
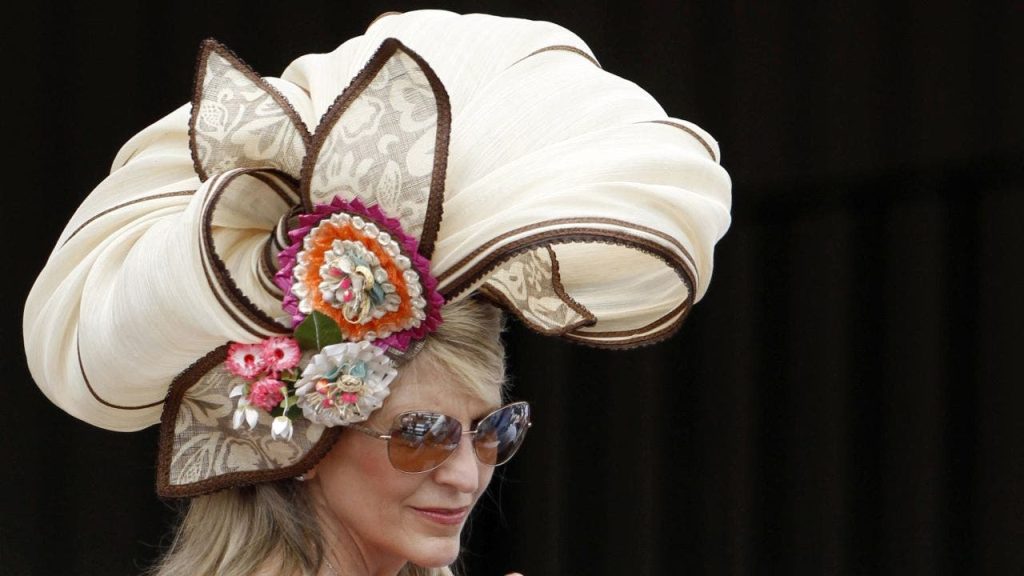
pixel 345 383
pixel 362 207
pixel 342 382
pixel 268 368
pixel 358 267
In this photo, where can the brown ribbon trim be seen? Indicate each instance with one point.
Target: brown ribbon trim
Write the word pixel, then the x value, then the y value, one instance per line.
pixel 470 278
pixel 651 338
pixel 499 298
pixel 99 215
pixel 563 48
pixel 691 132
pixel 81 367
pixel 557 222
pixel 230 290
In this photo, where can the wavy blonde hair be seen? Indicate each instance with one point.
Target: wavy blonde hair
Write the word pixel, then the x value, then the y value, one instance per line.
pixel 272 528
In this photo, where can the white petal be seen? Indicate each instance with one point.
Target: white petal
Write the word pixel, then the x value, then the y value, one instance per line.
pixel 237 391
pixel 252 416
pixel 236 420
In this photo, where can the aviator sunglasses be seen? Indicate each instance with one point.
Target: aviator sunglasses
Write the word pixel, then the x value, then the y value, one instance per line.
pixel 422 441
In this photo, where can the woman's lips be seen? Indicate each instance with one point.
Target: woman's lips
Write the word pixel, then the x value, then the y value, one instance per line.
pixel 444 516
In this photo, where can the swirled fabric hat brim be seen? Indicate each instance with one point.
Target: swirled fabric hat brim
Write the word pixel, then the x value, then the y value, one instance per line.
pixel 557 190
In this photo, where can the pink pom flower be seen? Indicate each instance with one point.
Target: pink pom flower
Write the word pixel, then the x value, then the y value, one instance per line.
pixel 245 360
pixel 281 353
pixel 266 393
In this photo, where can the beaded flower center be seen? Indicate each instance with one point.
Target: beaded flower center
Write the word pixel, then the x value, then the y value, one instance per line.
pixel 353 281
pixel 356 273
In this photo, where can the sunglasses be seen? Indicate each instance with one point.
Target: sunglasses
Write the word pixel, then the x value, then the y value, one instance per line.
pixel 422 441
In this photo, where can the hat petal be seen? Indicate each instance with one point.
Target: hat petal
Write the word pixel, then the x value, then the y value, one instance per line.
pixel 384 141
pixel 239 120
pixel 201 451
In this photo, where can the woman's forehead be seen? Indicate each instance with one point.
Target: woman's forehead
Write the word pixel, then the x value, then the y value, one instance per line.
pixel 428 390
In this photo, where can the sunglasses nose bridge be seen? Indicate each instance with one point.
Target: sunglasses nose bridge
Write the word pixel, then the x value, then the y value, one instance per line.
pixel 465 441
pixel 460 468
pixel 469 438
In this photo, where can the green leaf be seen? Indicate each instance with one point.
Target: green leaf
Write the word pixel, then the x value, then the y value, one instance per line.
pixel 293 412
pixel 317 331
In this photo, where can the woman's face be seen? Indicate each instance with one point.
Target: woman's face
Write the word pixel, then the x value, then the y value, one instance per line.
pixel 392 517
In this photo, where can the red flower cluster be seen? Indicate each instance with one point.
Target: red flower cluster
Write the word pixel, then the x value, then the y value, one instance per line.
pixel 261 364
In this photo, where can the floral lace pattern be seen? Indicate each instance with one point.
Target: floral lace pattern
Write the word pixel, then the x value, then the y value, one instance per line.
pixel 206 444
pixel 529 284
pixel 382 151
pixel 237 122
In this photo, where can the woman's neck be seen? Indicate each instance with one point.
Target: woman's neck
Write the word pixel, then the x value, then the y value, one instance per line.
pixel 343 556
pixel 344 553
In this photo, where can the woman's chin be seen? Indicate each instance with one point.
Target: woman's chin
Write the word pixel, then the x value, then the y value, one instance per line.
pixel 435 552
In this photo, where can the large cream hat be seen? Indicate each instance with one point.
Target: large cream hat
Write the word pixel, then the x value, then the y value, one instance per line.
pixel 435 157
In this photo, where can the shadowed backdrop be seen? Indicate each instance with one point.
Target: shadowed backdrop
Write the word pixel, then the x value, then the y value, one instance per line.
pixel 845 400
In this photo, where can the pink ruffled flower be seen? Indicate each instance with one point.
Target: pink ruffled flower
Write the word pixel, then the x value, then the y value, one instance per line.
pixel 266 393
pixel 280 353
pixel 245 360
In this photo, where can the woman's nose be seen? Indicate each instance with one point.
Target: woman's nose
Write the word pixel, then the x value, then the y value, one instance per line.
pixel 461 470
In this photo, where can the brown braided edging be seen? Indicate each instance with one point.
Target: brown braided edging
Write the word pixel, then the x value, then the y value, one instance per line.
pixel 238 299
pixel 584 234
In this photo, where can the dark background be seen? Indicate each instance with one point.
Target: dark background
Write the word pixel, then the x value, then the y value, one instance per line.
pixel 846 400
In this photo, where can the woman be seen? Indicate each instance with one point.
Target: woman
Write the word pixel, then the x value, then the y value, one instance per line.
pixel 290 276
pixel 399 522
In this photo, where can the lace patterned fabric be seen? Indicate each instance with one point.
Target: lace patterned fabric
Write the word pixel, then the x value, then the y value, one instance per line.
pixel 204 445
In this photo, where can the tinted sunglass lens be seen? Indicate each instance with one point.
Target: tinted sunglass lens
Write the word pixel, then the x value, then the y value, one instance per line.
pixel 421 441
pixel 500 434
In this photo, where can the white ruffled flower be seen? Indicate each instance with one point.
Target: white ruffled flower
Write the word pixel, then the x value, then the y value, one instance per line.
pixel 345 383
pixel 243 410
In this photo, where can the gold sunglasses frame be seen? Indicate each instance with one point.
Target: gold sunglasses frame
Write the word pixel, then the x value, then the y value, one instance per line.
pixel 382 436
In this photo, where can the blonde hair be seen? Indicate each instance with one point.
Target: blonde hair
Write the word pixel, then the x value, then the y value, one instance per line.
pixel 272 528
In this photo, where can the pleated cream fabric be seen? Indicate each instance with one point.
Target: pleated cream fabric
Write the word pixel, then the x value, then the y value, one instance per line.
pixel 570 198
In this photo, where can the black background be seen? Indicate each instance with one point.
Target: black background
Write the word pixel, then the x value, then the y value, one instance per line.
pixel 847 398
